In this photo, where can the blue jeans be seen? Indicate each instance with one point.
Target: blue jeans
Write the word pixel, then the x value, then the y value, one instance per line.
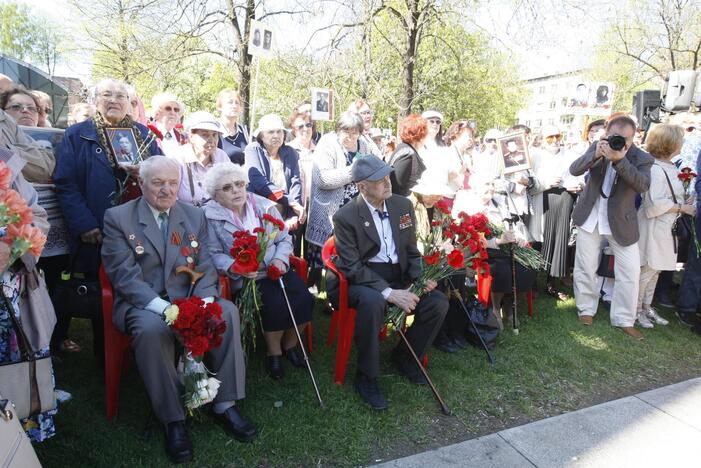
pixel 690 290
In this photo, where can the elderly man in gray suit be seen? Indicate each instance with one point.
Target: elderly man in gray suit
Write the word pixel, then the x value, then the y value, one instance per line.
pixel 145 241
pixel 606 209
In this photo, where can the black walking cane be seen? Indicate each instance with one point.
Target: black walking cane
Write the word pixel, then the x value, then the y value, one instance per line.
pixel 299 337
pixel 512 223
pixel 444 407
pixel 490 358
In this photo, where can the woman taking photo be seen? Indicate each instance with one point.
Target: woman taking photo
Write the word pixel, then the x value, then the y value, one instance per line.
pixel 233 209
pixel 273 169
pixel 662 204
pixel 198 156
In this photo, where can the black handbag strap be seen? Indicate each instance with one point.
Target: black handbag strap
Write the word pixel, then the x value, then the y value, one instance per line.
pixel 22 340
pixel 669 182
pixel 76 254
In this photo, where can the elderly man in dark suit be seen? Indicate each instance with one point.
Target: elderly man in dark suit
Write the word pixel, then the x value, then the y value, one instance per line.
pixel 377 252
pixel 606 209
pixel 143 245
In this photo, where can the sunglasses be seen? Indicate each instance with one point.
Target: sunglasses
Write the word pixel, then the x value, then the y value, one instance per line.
pixel 306 125
pixel 435 121
pixel 551 138
pixel 490 140
pixel 171 109
pixel 230 187
pixel 22 108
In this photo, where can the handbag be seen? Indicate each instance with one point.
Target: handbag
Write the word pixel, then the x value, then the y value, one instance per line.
pixel 480 323
pixel 37 310
pixel 606 266
pixel 681 228
pixel 15 449
pixel 77 294
pixel 29 384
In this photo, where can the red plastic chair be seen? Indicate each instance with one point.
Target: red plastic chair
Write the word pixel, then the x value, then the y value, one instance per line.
pixel 117 345
pixel 300 267
pixel 343 318
pixel 484 290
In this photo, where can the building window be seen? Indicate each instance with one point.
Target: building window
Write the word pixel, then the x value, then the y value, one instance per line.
pixel 564 102
pixel 552 104
pixel 528 123
pixel 541 90
pixel 538 123
pixel 553 88
pixel 551 121
pixel 567 119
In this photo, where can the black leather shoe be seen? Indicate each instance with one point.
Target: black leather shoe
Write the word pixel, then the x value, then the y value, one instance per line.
pixel 408 368
pixel 274 365
pixel 178 446
pixel 295 356
pixel 687 318
pixel 446 345
pixel 460 342
pixel 370 392
pixel 237 426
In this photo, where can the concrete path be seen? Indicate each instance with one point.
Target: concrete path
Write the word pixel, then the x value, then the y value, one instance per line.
pixel 660 428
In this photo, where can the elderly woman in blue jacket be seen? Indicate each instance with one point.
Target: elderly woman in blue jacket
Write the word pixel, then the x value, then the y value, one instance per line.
pixel 273 170
pixel 232 209
pixel 88 177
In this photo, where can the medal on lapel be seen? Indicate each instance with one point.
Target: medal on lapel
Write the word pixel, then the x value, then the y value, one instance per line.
pixel 405 221
pixel 176 238
pixel 139 249
pixel 190 252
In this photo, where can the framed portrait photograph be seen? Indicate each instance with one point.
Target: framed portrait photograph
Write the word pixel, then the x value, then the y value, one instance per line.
pixel 260 39
pixel 322 104
pixel 45 137
pixel 514 152
pixel 123 143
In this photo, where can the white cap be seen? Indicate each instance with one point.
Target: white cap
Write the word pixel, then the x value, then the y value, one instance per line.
pixel 432 114
pixel 375 132
pixel 432 184
pixel 161 98
pixel 550 130
pixel 492 133
pixel 202 121
pixel 269 122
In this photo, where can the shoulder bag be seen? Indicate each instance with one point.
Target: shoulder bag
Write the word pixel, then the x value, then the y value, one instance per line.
pixel 15 449
pixel 29 384
pixel 681 228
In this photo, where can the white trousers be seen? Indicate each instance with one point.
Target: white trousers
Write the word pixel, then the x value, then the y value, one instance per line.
pixel 648 281
pixel 626 284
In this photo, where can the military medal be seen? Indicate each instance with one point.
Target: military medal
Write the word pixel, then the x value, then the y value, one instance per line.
pixel 367 224
pixel 139 249
pixel 194 244
pixel 175 238
pixel 132 237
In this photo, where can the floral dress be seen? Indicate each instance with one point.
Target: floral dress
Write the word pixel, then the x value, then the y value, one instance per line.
pixel 41 426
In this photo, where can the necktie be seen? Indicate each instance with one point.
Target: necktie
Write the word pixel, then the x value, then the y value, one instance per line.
pixel 382 214
pixel 163 219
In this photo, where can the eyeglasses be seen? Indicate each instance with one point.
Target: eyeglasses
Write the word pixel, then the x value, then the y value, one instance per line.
pixel 690 129
pixel 306 125
pixel 366 112
pixel 48 110
pixel 230 187
pixel 549 139
pixel 117 97
pixel 175 109
pixel 22 108
pixel 490 140
pixel 435 121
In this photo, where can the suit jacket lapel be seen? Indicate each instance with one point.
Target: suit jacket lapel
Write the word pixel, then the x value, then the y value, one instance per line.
pixel 175 221
pixel 367 220
pixel 151 231
pixel 394 216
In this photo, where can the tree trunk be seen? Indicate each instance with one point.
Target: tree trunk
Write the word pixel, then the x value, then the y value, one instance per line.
pixel 406 100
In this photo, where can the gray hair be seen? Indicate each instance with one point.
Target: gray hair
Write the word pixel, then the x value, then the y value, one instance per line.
pixel 221 174
pixel 349 121
pixel 154 164
pixel 102 84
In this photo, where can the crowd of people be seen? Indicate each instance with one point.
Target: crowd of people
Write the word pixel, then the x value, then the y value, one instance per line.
pixel 192 181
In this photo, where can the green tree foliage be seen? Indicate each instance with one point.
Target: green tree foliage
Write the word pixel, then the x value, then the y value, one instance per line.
pixel 17 31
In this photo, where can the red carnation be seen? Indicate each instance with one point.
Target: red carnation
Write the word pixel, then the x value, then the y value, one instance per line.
pixel 456 259
pixel 479 222
pixel 258 230
pixel 198 346
pixel 155 131
pixel 433 258
pixel 444 206
pixel 274 272
pixel 245 262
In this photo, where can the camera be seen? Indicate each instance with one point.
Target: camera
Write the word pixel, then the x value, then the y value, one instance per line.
pixel 616 142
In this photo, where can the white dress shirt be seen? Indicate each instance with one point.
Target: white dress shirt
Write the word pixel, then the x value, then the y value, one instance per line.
pixel 388 251
pixel 600 212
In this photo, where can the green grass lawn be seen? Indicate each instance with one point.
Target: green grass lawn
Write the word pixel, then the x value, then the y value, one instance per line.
pixel 554 365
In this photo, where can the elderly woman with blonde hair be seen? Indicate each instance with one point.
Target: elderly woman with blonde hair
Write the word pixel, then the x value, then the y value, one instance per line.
pixel 233 209
pixel 662 204
pixel 235 137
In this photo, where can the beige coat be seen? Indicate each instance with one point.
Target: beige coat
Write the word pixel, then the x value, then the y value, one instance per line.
pixel 655 223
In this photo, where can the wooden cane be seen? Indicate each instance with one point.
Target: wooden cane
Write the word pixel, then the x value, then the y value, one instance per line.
pixel 299 337
pixel 444 407
pixel 194 276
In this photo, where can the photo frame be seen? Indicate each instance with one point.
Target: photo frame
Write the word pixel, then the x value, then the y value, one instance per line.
pixel 45 137
pixel 261 39
pixel 123 144
pixel 322 104
pixel 513 150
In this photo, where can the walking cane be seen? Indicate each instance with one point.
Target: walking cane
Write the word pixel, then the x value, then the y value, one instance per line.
pixel 194 277
pixel 444 407
pixel 513 284
pixel 299 337
pixel 490 358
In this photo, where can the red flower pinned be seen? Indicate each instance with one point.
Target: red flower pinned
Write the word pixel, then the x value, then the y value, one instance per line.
pixel 274 272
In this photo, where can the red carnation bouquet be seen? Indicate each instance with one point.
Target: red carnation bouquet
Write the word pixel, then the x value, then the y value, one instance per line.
pixel 17 235
pixel 450 246
pixel 687 175
pixel 200 327
pixel 248 252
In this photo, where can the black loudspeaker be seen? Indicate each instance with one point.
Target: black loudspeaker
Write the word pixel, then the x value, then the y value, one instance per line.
pixel 646 107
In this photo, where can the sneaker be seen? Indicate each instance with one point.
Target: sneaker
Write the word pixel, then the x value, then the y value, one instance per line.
pixel 655 317
pixel 643 320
